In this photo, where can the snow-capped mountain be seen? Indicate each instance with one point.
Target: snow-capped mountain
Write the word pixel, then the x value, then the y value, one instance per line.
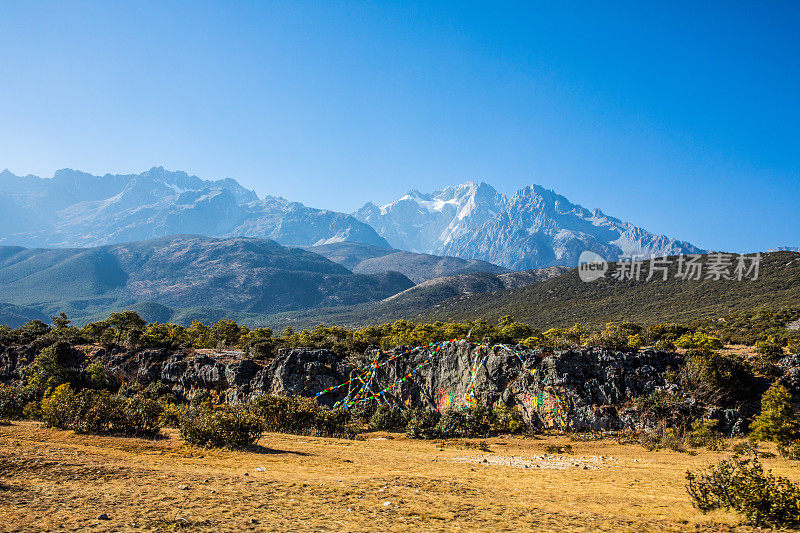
pixel 78 209
pixel 532 229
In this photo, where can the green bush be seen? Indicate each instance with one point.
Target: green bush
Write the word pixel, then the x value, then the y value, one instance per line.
pixel 301 416
pixel 461 423
pixel 662 438
pixel 171 414
pixel 769 349
pixel 612 338
pixel 139 415
pixel 422 423
pixel 793 344
pixel 221 427
pixel 790 451
pixel 56 365
pixel 555 449
pixel 97 412
pixel 745 448
pixel 777 421
pixel 387 417
pixel 743 485
pixel 704 434
pixel 506 419
pixel 86 411
pixel 664 345
pixel 698 341
pixel 715 378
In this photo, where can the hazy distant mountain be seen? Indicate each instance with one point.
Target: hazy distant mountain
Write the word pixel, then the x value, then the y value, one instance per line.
pixel 235 274
pixel 427 297
pixel 366 259
pixel 533 228
pixel 77 209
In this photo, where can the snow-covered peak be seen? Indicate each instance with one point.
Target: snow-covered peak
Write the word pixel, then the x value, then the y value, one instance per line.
pixel 535 227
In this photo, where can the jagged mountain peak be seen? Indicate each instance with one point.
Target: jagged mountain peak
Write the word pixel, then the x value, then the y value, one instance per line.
pixel 535 227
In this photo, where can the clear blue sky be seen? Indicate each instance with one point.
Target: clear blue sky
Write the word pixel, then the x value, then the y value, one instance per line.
pixel 681 118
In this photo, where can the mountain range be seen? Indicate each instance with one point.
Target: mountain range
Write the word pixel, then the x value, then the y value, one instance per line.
pixel 533 228
pixel 254 276
pixel 77 209
pixel 188 277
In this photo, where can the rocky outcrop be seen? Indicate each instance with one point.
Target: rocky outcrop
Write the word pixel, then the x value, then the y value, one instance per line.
pixel 13 359
pixel 581 389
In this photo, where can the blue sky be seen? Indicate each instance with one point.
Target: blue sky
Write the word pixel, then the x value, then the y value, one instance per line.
pixel 682 118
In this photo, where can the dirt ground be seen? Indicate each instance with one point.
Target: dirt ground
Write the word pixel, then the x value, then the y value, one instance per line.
pixel 53 480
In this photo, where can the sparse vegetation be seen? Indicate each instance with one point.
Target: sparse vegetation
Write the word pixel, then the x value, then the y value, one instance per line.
pixel 222 426
pixel 743 485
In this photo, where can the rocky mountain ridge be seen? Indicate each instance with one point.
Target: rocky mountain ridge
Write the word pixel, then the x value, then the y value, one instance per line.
pixel 77 209
pixel 534 228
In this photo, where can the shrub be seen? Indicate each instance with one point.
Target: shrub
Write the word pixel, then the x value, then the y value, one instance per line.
pixel 611 338
pixel 98 412
pixel 301 416
pixel 387 417
pixel 745 448
pixel 12 402
pixel 776 422
pixel 743 485
pixel 422 423
pixel 698 341
pixel 57 409
pixel 86 411
pixel 222 427
pixel 791 451
pixel 460 423
pixel 171 414
pixel 704 433
pixel 769 349
pixel 664 409
pixel 664 345
pixel 662 438
pixel 201 398
pixel 634 342
pixel 716 378
pixel 793 345
pixel 139 415
pixel 555 449
pixel 54 366
pixel 506 419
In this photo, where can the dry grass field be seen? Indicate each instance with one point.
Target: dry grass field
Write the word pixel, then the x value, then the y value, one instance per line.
pixel 55 480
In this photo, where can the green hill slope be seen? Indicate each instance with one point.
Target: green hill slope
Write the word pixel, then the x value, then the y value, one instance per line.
pixel 239 275
pixel 566 299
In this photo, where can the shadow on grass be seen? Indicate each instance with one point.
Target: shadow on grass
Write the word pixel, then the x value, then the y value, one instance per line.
pixel 263 450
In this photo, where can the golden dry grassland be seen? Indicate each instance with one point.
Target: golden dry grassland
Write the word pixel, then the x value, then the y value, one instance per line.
pixel 57 481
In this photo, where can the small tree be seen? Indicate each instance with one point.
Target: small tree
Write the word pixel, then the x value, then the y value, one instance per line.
pixel 777 422
pixel 769 349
